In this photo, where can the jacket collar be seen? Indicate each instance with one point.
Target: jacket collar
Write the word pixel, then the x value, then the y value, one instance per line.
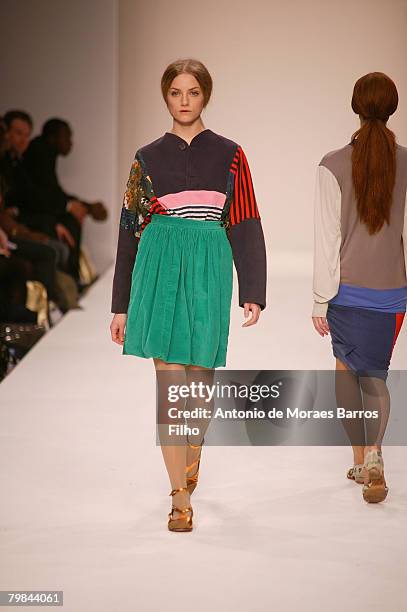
pixel 177 139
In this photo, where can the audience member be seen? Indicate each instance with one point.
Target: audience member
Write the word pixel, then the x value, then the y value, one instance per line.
pixel 14 271
pixel 32 245
pixel 68 211
pixel 23 199
pixel 40 224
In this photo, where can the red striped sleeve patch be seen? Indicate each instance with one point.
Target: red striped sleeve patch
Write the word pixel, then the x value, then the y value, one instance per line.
pixel 243 205
pixel 155 209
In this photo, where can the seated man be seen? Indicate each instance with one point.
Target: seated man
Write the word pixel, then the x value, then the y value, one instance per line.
pixel 65 212
pixel 24 214
pixel 32 259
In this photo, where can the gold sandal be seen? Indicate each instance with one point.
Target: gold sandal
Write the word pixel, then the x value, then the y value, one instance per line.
pixel 181 523
pixel 192 481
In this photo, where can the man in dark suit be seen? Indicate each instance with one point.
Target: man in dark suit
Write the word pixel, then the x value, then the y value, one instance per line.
pixel 40 162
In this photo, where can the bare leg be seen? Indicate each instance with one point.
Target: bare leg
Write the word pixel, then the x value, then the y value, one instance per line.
pixel 348 396
pixel 198 374
pixel 174 455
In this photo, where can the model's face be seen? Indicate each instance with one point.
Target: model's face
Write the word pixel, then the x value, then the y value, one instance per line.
pixel 18 136
pixel 185 99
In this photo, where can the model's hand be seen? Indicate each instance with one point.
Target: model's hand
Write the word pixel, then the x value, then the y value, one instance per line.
pixel 117 327
pixel 255 311
pixel 321 325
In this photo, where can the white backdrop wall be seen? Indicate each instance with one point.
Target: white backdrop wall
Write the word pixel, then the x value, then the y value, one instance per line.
pixel 283 78
pixel 59 59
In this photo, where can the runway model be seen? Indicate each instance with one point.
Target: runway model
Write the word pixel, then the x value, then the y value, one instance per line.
pixel 360 285
pixel 189 212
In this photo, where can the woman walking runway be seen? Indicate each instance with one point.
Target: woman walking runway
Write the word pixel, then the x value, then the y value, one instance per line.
pixel 360 286
pixel 189 212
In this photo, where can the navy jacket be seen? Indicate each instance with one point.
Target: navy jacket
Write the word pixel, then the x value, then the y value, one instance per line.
pixel 208 179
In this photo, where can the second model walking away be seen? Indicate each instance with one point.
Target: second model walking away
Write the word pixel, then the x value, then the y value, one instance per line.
pixel 360 285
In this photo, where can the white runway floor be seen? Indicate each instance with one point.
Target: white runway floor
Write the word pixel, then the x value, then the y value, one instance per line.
pixel 84 492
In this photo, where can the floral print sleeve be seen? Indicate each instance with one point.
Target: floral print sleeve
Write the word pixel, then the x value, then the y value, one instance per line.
pixel 138 197
pixel 135 212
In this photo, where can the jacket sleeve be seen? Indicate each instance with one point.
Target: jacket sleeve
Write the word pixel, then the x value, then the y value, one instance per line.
pixel 327 240
pixel 128 238
pixel 246 235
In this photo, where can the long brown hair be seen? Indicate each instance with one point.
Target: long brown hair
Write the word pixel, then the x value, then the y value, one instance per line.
pixel 190 66
pixel 374 99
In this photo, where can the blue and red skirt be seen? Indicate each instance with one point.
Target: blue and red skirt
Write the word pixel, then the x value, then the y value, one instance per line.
pixel 364 336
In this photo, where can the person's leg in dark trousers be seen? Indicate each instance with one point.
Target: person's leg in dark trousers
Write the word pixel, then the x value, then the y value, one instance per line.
pixel 74 226
pixel 43 260
pixel 13 292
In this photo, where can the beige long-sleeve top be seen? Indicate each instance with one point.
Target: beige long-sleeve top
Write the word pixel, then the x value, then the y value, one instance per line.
pixel 344 251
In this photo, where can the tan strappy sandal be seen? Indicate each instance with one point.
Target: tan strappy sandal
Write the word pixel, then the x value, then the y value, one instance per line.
pixel 192 481
pixel 375 490
pixel 181 523
pixel 356 473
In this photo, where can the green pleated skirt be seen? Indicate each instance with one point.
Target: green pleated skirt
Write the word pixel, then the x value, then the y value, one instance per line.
pixel 179 308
